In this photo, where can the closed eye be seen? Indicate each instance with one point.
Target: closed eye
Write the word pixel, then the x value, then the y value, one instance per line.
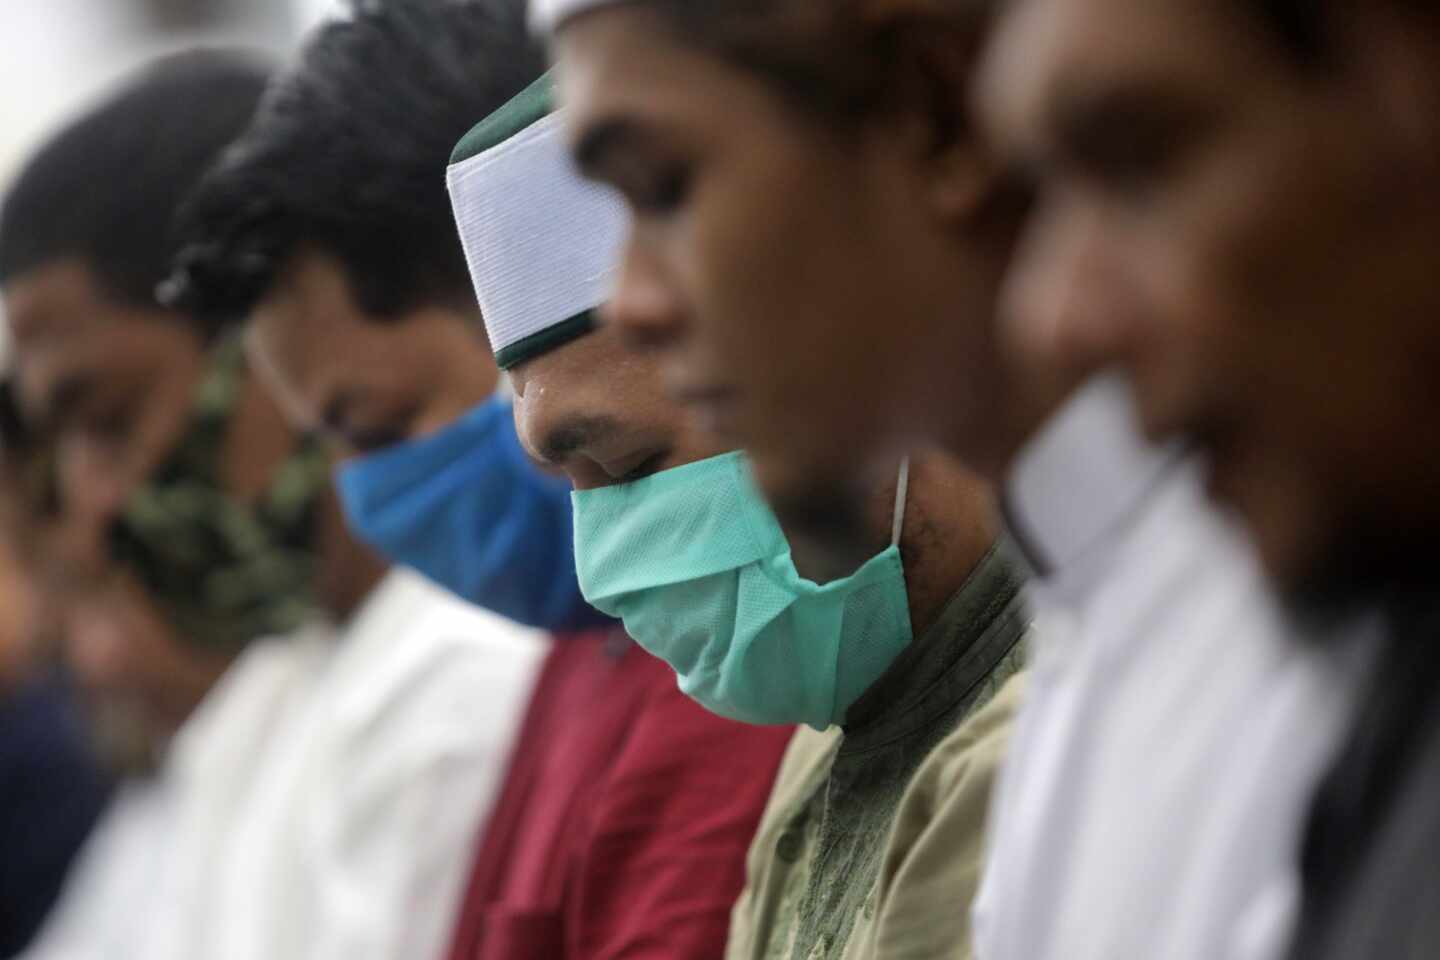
pixel 1128 139
pixel 632 158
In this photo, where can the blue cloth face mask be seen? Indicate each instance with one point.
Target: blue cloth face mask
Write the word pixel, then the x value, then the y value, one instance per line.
pixel 466 508
pixel 696 565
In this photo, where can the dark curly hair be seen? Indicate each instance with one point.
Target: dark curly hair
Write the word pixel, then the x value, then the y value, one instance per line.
pixel 105 189
pixel 347 155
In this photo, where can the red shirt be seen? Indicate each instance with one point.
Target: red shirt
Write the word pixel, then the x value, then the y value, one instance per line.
pixel 624 821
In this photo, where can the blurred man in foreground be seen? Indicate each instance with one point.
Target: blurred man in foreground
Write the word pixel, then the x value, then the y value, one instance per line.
pixel 1241 210
pixel 322 736
pixel 822 234
pixel 626 809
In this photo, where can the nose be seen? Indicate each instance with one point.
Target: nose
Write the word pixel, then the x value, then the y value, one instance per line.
pixel 530 408
pixel 550 430
pixel 597 437
pixel 97 651
pixel 90 498
pixel 1060 309
pixel 646 306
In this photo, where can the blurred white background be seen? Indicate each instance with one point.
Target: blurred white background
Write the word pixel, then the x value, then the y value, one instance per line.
pixel 57 55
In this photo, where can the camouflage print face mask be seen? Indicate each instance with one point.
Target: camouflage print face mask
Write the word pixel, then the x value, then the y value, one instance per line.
pixel 224 572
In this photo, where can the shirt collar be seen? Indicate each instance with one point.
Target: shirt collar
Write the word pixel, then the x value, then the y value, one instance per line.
pixel 1082 479
pixel 964 653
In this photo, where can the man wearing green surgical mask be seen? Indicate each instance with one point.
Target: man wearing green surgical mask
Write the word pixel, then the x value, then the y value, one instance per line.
pixel 615 834
pixel 897 666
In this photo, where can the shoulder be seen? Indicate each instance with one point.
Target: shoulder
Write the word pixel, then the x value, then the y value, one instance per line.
pixel 675 808
pixel 429 701
pixel 935 851
pixel 950 792
pixel 944 811
pixel 673 730
pixel 807 758
pixel 805 764
pixel 418 658
pixel 976 748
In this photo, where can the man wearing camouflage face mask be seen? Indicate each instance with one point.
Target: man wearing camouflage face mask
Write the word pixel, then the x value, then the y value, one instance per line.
pixel 320 734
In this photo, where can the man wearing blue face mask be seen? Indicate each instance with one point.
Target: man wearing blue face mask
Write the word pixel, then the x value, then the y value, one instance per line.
pixel 898 667
pixel 327 225
pixel 625 814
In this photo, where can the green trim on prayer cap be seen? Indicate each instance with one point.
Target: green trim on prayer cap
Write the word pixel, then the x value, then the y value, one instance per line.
pixel 529 106
pixel 546 340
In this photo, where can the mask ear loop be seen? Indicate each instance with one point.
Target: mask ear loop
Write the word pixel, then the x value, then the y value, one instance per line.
pixel 902 496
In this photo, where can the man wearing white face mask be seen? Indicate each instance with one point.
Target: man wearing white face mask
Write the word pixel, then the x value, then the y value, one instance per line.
pixel 896 668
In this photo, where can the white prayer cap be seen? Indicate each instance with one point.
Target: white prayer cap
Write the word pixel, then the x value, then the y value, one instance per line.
pixel 543 244
pixel 546 15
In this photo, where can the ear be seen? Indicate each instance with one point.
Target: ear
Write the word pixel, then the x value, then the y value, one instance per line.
pixel 934 60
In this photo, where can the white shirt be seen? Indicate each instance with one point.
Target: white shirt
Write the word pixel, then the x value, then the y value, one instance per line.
pixel 1176 724
pixel 328 795
pixel 110 892
pixel 151 859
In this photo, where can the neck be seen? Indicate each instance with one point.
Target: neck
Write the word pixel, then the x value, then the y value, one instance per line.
pixel 951 522
pixel 950 525
pixel 1030 399
pixel 347 570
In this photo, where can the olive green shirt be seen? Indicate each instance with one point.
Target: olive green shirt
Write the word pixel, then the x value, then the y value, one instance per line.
pixel 871 844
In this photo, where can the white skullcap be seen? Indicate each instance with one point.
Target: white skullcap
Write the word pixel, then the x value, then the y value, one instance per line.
pixel 543 244
pixel 546 15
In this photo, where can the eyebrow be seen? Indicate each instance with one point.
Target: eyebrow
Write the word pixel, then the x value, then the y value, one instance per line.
pixel 1085 108
pixel 335 418
pixel 573 434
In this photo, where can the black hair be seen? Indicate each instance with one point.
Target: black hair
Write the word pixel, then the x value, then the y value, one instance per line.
pixel 841 63
pixel 105 189
pixel 833 59
pixel 347 156
pixel 1299 25
pixel 1305 28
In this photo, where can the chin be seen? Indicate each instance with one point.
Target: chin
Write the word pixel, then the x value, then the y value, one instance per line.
pixel 1352 568
pixel 831 523
pixel 1305 543
pixel 826 516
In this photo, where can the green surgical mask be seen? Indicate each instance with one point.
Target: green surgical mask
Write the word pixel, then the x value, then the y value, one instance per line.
pixel 224 571
pixel 695 563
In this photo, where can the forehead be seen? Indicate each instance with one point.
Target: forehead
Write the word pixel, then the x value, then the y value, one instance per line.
pixel 613 55
pixel 65 331
pixel 55 302
pixel 308 324
pixel 626 61
pixel 1046 56
pixel 309 302
pixel 597 369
